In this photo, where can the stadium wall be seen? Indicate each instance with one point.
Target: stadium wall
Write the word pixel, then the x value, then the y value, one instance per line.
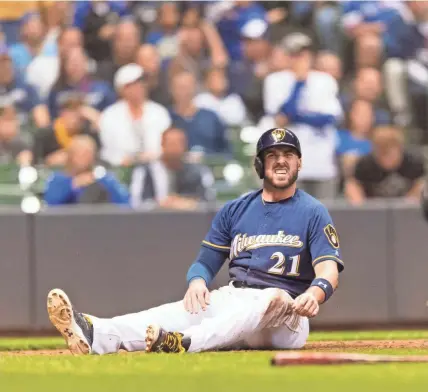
pixel 115 261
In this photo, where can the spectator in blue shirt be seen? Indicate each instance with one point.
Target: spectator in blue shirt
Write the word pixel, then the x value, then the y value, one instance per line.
pixel 31 43
pixel 233 20
pixel 15 91
pixel 363 17
pixel 82 182
pixel 354 141
pixel 74 79
pixel 164 35
pixel 205 132
pixel 97 20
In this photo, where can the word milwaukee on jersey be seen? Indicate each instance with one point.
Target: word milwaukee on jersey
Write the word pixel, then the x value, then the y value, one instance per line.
pixel 243 242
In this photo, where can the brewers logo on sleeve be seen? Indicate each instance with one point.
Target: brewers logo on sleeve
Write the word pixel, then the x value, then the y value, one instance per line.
pixel 332 236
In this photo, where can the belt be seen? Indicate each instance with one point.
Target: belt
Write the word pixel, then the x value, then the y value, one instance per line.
pixel 242 285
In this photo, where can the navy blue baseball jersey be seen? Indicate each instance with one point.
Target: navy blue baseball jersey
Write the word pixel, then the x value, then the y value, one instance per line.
pixel 275 244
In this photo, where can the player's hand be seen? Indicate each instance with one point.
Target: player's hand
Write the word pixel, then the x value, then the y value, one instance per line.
pixel 197 296
pixel 306 305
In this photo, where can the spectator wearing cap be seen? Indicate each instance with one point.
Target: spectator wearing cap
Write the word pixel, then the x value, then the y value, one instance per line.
pixel 307 101
pixel 74 80
pixel 43 71
pixel 131 129
pixel 170 181
pixel 165 34
pixel 13 147
pixel 206 133
pixel 50 145
pixel 230 18
pixel 81 182
pixel 389 171
pixel 15 91
pixel 98 20
pixel 124 47
pixel 200 48
pixel 229 107
pixel 155 75
pixel 31 44
pixel 247 76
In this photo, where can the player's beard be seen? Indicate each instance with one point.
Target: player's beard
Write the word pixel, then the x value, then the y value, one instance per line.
pixel 270 183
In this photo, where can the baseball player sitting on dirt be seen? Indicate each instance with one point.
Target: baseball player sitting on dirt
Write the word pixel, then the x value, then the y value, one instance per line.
pixel 284 262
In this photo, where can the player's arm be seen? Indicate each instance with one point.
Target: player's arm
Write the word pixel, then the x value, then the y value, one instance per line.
pixel 325 250
pixel 325 283
pixel 212 255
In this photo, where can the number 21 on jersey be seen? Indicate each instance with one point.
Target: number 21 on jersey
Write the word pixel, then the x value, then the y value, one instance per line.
pixel 280 265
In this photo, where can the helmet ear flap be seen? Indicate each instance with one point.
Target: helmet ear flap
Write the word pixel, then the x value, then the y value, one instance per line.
pixel 259 166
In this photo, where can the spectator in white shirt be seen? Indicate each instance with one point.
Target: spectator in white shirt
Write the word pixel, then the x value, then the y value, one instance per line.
pixel 307 102
pixel 131 129
pixel 229 107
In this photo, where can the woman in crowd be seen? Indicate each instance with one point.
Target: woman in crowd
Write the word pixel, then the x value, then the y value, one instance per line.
pixel 75 79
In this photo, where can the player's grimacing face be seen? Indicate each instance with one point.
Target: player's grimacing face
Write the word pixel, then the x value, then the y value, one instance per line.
pixel 282 165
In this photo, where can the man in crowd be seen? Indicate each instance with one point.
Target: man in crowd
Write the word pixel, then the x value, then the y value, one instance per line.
pixel 170 181
pixel 205 131
pixel 368 86
pixel 389 171
pixel 307 102
pixel 125 44
pixel 81 182
pixel 247 75
pixel 131 129
pixel 98 20
pixel 406 68
pixel 155 75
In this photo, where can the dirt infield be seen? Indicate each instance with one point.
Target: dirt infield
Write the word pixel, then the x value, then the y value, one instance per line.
pixel 312 346
pixel 366 344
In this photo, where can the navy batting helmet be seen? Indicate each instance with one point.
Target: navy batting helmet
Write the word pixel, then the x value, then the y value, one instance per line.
pixel 272 138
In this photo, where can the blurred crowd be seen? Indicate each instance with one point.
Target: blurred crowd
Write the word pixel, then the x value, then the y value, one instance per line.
pixel 160 87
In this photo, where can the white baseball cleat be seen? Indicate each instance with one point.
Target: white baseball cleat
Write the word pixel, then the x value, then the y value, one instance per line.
pixel 76 328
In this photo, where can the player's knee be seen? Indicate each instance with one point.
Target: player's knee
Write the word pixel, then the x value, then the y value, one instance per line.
pixel 298 344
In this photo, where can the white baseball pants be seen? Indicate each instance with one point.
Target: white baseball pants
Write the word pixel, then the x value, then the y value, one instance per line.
pixel 236 318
